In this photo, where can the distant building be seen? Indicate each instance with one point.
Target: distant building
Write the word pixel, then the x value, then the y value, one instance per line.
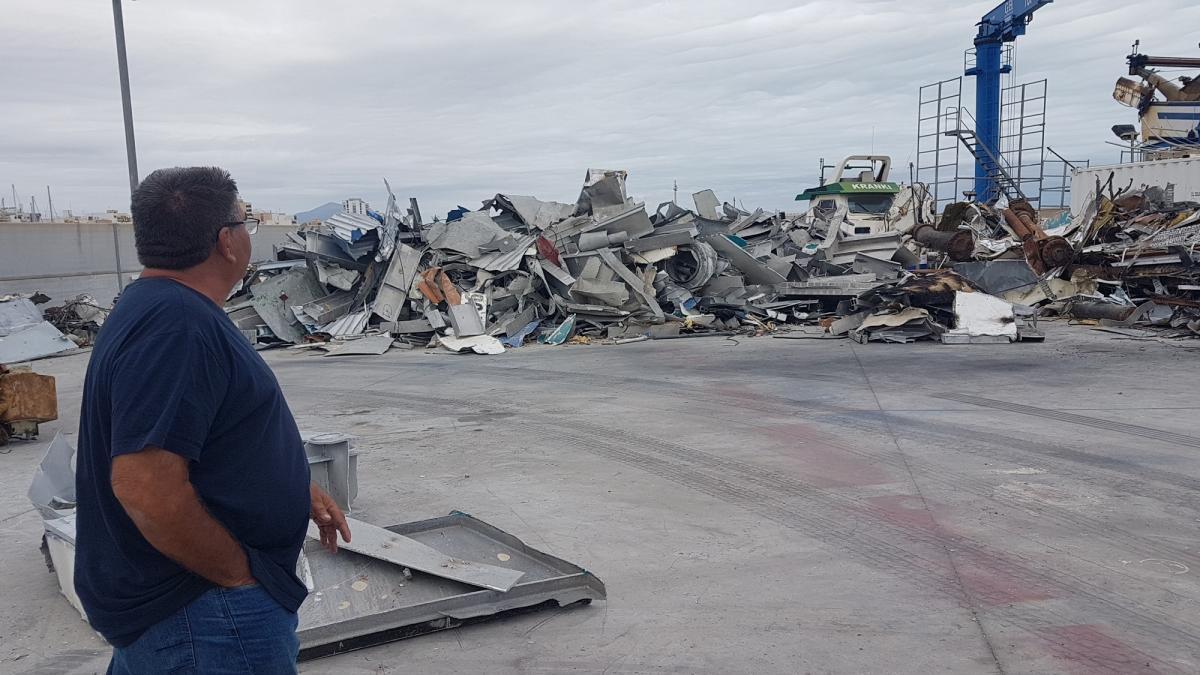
pixel 355 206
pixel 270 218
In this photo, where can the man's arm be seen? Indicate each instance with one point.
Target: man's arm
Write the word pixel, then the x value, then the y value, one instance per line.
pixel 154 488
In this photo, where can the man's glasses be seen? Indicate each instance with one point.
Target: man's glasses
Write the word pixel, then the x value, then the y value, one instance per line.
pixel 250 222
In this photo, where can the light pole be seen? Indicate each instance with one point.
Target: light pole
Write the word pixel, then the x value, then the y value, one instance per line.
pixel 130 149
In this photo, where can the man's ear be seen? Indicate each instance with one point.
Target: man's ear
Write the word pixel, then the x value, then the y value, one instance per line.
pixel 225 246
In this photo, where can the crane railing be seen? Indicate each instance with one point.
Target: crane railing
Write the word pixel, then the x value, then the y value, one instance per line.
pixel 961 123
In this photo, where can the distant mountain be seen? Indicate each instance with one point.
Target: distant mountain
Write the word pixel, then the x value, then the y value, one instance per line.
pixel 322 212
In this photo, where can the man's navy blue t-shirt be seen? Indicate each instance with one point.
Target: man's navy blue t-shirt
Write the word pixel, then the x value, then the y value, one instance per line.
pixel 169 370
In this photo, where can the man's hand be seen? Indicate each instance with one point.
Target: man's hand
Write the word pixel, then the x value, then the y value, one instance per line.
pixel 329 518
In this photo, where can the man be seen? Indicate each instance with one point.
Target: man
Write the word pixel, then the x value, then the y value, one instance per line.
pixel 193 487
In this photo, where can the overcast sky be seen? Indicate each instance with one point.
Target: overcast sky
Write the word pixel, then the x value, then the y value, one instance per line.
pixel 310 101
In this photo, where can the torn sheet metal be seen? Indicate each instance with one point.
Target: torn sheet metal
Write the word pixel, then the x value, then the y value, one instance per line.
pixel 351 324
pixel 531 211
pixel 338 277
pixel 398 282
pixel 882 269
pixel 465 235
pixel 371 344
pixel 34 342
pixel 755 271
pixel 464 319
pixel 677 238
pixel 906 325
pixel 614 293
pixel 633 222
pixel 351 227
pixel 638 286
pixel 52 491
pixel 407 327
pixel 319 246
pixel 562 333
pixel 517 338
pixel 602 189
pixel 327 309
pixel 516 321
pixel 273 299
pixel 997 277
pixel 843 250
pixel 480 344
pixel 364 601
pixel 506 261
pixel 707 204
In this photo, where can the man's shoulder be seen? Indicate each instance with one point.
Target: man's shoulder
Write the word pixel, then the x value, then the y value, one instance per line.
pixel 166 303
pixel 152 310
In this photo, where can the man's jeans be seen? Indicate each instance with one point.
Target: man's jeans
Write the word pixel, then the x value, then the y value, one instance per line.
pixel 226 630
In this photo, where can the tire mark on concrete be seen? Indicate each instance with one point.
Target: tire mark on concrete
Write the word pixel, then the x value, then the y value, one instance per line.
pixel 689 466
pixel 1072 418
pixel 999 446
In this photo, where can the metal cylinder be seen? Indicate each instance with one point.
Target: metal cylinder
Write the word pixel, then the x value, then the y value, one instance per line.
pixel 1019 226
pixel 590 241
pixel 1056 252
pixel 1089 309
pixel 959 244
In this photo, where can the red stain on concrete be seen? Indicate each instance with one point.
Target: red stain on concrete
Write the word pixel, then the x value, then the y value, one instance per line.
pixel 819 463
pixel 1086 648
pixel 989 579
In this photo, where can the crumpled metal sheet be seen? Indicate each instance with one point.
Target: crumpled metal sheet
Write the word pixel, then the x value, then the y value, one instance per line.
pixel 351 324
pixel 274 298
pixel 465 235
pixel 531 211
pixel 52 491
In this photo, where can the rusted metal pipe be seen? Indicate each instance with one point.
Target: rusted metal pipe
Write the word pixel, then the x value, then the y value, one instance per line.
pixel 958 244
pixel 1020 227
pixel 1055 252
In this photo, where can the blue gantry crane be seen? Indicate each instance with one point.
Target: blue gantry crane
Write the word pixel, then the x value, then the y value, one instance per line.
pixel 1003 24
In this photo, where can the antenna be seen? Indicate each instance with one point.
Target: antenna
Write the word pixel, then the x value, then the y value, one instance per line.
pixel 675 193
pixel 50 203
pixel 16 202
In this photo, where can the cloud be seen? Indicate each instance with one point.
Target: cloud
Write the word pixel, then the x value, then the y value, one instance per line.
pixel 308 101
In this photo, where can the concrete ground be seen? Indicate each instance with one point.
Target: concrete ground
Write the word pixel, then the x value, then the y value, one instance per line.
pixel 759 505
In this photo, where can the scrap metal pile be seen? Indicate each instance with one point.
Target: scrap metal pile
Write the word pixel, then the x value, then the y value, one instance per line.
pixel 1140 246
pixel 1127 261
pixel 518 269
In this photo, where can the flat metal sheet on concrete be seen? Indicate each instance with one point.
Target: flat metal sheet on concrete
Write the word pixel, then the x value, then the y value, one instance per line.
pixel 359 601
pixel 18 315
pixel 377 542
pixel 34 342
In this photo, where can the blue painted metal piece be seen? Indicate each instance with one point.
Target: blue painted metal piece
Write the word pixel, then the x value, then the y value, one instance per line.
pixel 1003 24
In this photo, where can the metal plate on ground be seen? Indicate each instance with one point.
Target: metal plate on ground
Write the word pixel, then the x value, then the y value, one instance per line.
pixel 359 601
pixel 383 544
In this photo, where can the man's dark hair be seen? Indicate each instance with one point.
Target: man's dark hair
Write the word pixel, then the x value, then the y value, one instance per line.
pixel 178 214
